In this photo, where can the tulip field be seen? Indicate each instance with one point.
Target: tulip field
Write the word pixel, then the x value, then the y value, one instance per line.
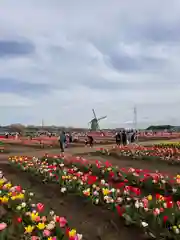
pixel 98 195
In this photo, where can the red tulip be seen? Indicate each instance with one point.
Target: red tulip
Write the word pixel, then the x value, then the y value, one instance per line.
pixel 40 207
pixel 165 218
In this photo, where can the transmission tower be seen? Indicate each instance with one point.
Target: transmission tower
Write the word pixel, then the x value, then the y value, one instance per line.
pixel 135 118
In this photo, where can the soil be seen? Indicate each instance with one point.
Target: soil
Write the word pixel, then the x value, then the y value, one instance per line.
pixel 48 147
pixel 18 149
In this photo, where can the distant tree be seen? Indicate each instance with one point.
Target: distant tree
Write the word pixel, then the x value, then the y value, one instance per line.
pixel 160 127
pixel 17 128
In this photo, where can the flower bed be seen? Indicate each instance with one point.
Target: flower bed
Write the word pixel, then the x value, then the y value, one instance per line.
pixel 156 214
pixel 149 182
pixel 168 145
pixel 2 148
pixel 170 155
pixel 21 218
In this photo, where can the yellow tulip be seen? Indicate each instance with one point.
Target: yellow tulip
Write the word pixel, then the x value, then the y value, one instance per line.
pixel 20 196
pixel 29 229
pixel 105 191
pixel 149 197
pixel 41 226
pixel 8 185
pixel 4 199
pixel 2 181
pixel 34 216
pixel 72 233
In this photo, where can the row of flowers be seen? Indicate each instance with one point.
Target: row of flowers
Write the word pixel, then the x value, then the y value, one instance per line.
pixel 156 214
pixel 145 180
pixel 167 154
pixel 168 145
pixel 21 218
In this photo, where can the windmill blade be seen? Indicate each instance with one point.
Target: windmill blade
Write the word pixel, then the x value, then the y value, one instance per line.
pixel 94 113
pixel 101 118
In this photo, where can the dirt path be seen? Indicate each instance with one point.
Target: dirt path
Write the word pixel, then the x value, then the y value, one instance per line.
pixel 25 151
pixel 93 222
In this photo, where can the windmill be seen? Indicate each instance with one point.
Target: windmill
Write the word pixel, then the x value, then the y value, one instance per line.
pixel 95 122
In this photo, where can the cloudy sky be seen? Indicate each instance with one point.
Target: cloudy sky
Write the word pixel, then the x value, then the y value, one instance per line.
pixel 61 58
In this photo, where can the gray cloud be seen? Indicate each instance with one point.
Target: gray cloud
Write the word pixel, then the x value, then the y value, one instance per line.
pixel 154 31
pixel 123 62
pixel 102 84
pixel 8 85
pixel 15 48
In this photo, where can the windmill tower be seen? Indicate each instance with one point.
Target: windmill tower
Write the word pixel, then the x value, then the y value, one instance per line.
pixel 95 122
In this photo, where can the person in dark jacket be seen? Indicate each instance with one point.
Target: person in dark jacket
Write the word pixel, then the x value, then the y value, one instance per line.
pixel 124 138
pixel 118 138
pixel 133 137
pixel 86 142
pixel 62 140
pixel 70 138
pixel 91 141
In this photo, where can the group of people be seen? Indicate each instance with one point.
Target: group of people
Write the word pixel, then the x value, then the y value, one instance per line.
pixel 65 138
pixel 125 137
pixel 122 137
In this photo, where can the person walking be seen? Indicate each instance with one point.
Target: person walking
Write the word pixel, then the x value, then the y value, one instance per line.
pixel 86 141
pixel 62 140
pixel 91 141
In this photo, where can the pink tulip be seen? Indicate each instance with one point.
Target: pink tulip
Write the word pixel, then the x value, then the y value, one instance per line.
pixel 62 222
pixel 46 233
pixel 43 219
pixel 18 188
pixel 35 238
pixel 2 226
